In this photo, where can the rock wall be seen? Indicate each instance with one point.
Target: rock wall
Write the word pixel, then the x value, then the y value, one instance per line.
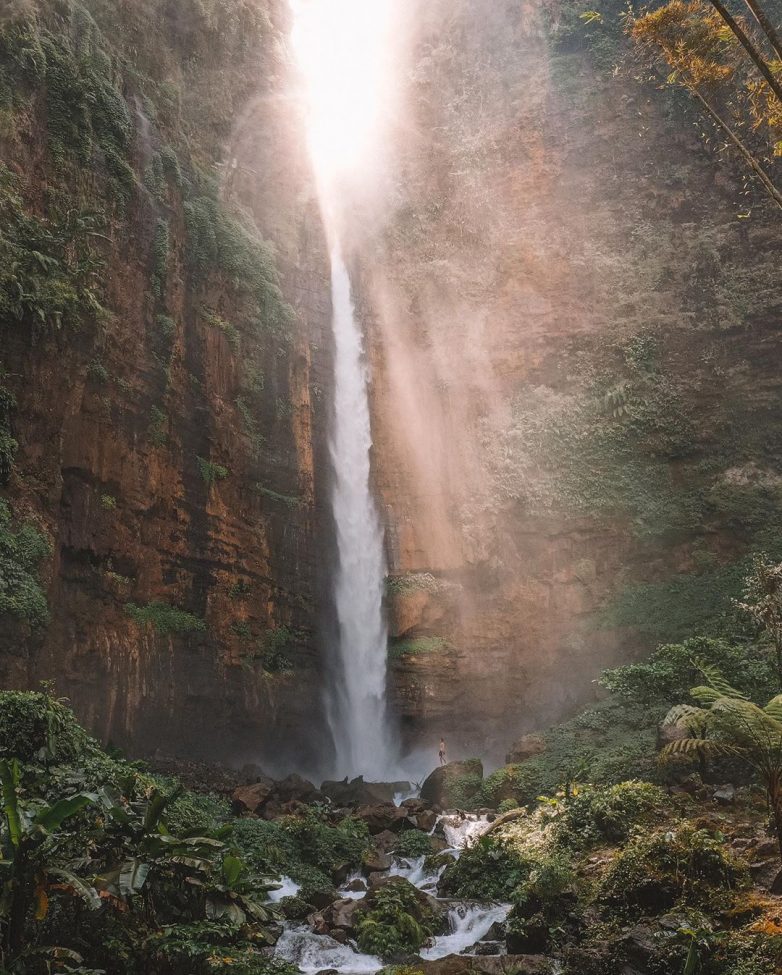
pixel 169 446
pixel 573 306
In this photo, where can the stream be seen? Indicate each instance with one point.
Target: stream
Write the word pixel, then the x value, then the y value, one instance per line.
pixel 469 921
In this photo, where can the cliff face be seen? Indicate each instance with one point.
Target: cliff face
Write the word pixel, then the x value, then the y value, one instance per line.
pixel 574 307
pixel 169 416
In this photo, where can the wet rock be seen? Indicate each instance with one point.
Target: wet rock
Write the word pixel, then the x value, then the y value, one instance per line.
pixel 376 862
pixel 382 817
pixel 532 939
pixel 341 937
pixel 524 748
pixel 437 787
pixel 294 787
pixel 342 913
pixel 251 798
pixel 486 964
pixel 488 948
pixel 340 874
pixel 385 842
pixel 356 885
pixel 426 820
pixel 725 795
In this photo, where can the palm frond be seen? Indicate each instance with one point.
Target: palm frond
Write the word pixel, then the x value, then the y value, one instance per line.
pixel 774 708
pixel 682 713
pixel 716 679
pixel 705 695
pixel 699 746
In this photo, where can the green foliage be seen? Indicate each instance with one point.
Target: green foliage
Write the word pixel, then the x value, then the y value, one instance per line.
pixel 506 805
pixel 229 331
pixel 22 549
pixel 275 650
pixel 157 432
pixel 412 582
pixel 108 502
pixel 608 743
pixel 217 242
pixel 464 791
pixel 656 870
pixel 165 619
pixel 396 922
pixel 398 649
pixel 598 814
pixel 413 843
pixel 667 675
pixel 210 472
pixel 8 445
pixel 195 813
pixel 210 947
pixel 34 726
pixel 290 501
pixel 97 372
pixel 47 267
pixel 491 869
pixel 160 248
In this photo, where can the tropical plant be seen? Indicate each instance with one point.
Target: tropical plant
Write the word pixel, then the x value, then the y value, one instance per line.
pixel 763 602
pixel 32 863
pixel 725 723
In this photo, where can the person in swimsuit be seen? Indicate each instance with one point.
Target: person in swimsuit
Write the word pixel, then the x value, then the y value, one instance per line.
pixel 443 760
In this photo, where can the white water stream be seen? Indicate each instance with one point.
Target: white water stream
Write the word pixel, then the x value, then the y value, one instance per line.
pixel 357 698
pixel 468 921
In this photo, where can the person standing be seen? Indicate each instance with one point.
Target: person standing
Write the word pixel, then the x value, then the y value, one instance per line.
pixel 443 759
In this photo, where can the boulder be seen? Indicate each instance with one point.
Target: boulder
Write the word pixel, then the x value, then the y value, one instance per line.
pixel 356 885
pixel 375 861
pixel 725 795
pixel 525 748
pixel 426 820
pixel 382 817
pixel 343 913
pixel 252 798
pixel 486 964
pixel 385 842
pixel 436 790
pixel 295 788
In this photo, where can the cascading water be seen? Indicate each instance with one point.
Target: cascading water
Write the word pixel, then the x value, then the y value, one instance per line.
pixel 356 702
pixel 342 50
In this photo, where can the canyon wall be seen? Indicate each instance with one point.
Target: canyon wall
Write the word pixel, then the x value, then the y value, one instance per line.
pixel 573 307
pixel 167 374
pixel 571 301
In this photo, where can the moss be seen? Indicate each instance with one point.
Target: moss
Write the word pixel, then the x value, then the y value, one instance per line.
pixel 8 444
pixel 165 619
pixel 22 549
pixel 156 431
pixel 160 249
pixel 417 646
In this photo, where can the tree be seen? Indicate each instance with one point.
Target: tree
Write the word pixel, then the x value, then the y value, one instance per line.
pixel 704 49
pixel 763 602
pixel 725 723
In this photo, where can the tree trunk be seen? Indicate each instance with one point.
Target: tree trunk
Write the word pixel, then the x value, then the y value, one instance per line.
pixel 762 175
pixel 20 901
pixel 775 800
pixel 771 32
pixel 749 47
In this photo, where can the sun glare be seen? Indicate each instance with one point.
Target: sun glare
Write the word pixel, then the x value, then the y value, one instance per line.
pixel 342 50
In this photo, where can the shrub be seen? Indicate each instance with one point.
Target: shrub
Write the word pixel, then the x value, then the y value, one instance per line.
pixel 22 549
pixel 656 870
pixel 396 922
pixel 490 870
pixel 668 674
pixel 156 431
pixel 108 502
pixel 193 811
pixel 413 843
pixel 211 472
pixel 506 805
pixel 35 726
pixel 165 619
pixel 594 814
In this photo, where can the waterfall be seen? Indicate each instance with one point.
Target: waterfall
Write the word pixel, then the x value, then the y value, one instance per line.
pixel 356 700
